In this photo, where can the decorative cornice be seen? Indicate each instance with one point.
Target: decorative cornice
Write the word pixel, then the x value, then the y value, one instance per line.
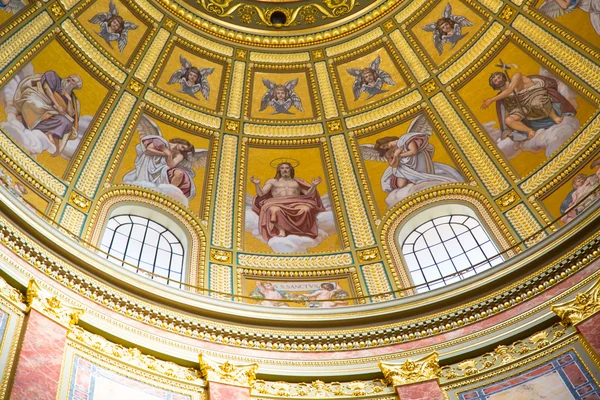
pixel 225 372
pixel 581 307
pixel 51 306
pixel 411 371
pixel 320 389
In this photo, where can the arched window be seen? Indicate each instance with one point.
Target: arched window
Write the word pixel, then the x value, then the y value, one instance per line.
pixel 445 244
pixel 144 245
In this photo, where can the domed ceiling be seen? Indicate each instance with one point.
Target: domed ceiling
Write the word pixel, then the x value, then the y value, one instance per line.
pixel 381 110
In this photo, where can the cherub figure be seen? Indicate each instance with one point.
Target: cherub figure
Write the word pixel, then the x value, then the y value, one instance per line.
pixel 447 29
pixel 12 6
pixel 191 79
pixel 558 8
pixel 271 296
pixel 281 97
pixel 370 80
pixel 332 296
pixel 113 28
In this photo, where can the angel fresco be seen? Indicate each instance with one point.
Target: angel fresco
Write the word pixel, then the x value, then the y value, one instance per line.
pixel 370 80
pixel 191 79
pixel 165 166
pixel 558 8
pixel 410 162
pixel 447 29
pixel 584 194
pixel 113 28
pixel 12 6
pixel 281 97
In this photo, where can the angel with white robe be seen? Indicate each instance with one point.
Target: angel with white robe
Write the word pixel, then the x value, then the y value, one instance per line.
pixel 191 79
pixel 447 29
pixel 370 80
pixel 410 162
pixel 165 166
pixel 558 8
pixel 113 28
pixel 281 97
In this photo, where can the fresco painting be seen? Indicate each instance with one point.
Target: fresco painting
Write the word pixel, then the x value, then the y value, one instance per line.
pixel 22 191
pixel 580 16
pixel 288 207
pixel 405 160
pixel 48 107
pixel 526 111
pixel 281 96
pixel 10 8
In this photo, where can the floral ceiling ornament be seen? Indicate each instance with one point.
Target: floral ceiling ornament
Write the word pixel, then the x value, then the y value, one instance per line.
pixel 583 306
pixel 411 371
pixel 226 372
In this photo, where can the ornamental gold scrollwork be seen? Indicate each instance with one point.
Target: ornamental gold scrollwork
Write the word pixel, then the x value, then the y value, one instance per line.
pixel 581 307
pixel 411 371
pixel 51 306
pixel 226 372
pixel 10 293
pixel 320 389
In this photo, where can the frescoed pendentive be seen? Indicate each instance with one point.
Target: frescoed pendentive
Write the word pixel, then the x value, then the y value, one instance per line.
pixel 288 206
pixel 111 24
pixel 528 112
pixel 48 107
pixel 404 160
pixel 192 78
pixel 9 8
pixel 331 293
pixel 20 190
pixel 369 79
pixel 281 96
pixel 167 160
pixel 446 28
pixel 579 16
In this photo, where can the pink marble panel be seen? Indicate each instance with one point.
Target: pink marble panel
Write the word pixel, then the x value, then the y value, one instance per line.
pixel 40 360
pixel 220 391
pixel 428 390
pixel 590 329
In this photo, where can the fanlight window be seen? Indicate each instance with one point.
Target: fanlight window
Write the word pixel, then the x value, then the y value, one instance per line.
pixel 144 245
pixel 445 245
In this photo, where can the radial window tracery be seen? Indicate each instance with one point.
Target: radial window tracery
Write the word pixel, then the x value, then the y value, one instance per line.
pixel 140 244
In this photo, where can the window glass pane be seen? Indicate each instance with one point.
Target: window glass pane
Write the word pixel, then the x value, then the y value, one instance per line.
pixel 420 243
pixel 471 223
pixel 475 256
pixel 467 241
pixel 424 258
pixel 417 278
pixel 453 247
pixel 427 225
pixel 411 262
pixel 431 273
pixel 439 253
pixel 445 231
pixel 432 237
pixel 446 268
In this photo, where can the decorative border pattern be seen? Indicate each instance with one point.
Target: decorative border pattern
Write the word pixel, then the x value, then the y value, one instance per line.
pixel 151 55
pixel 525 224
pixel 411 58
pixel 222 228
pixel 15 44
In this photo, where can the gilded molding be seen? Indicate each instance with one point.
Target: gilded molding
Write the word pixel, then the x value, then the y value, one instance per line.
pixel 222 223
pixel 151 55
pixel 68 4
pixel 47 303
pixel 134 357
pixel 384 111
pixel 221 256
pixel 277 58
pixel 411 371
pixel 79 201
pixel 493 5
pixel 225 372
pixel 409 55
pixel 319 389
pixel 210 45
pixel 411 8
pixel 581 66
pixel 507 200
pixel 288 130
pixel 221 277
pixel 377 282
pixel 72 220
pixel 238 78
pixel 327 97
pixel 175 108
pixel 297 262
pixel 368 254
pixel 95 55
pixel 16 43
pixel 360 226
pixel 525 224
pixel 11 294
pixel 491 176
pixel 10 25
pixel 583 306
pixel 354 44
pixel 489 37
pixel 94 168
pixel 149 9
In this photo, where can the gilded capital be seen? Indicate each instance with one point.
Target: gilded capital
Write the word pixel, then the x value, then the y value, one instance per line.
pixel 11 294
pixel 411 371
pixel 581 307
pixel 51 306
pixel 226 372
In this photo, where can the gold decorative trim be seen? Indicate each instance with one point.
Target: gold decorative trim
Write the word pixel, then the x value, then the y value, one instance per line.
pixel 47 303
pixel 368 254
pixel 223 214
pixel 68 4
pixel 493 5
pixel 354 44
pixel 411 371
pixel 284 130
pixel 238 78
pixel 298 262
pixel 384 111
pixel 327 97
pixel 410 9
pixel 151 55
pixel 319 389
pixel 12 295
pixel 220 281
pixel 377 282
pixel 228 373
pixel 583 306
pixel 175 108
pixel 221 256
pixel 11 304
pixel 9 26
pixel 491 176
pixel 150 10
pixel 507 200
pixel 15 44
pixel 525 224
pixel 208 44
pixel 79 201
pixel 409 55
pixel 92 52
pixel 72 220
pixel 276 58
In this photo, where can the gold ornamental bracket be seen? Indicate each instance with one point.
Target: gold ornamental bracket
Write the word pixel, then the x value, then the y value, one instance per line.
pixel 11 294
pixel 411 371
pixel 583 306
pixel 237 374
pixel 51 306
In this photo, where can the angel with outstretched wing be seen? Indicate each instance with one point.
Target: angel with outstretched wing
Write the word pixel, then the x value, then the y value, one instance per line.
pixel 281 97
pixel 113 28
pixel 191 79
pixel 166 166
pixel 12 6
pixel 370 80
pixel 447 29
pixel 558 8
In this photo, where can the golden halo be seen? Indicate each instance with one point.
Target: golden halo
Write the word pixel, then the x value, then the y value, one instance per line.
pixel 293 162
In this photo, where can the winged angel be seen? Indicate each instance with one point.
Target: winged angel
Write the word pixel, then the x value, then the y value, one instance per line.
pixel 558 8
pixel 370 80
pixel 191 79
pixel 113 28
pixel 165 166
pixel 410 162
pixel 281 97
pixel 12 6
pixel 447 29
